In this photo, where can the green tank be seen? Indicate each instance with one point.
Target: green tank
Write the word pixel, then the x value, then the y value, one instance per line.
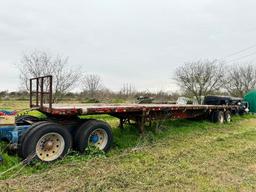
pixel 250 97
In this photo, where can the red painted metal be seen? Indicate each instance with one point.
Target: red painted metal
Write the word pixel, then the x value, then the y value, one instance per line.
pixel 140 113
pixel 179 111
pixel 43 87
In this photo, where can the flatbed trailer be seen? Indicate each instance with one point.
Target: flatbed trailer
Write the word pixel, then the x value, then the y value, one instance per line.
pixel 63 128
pixel 138 113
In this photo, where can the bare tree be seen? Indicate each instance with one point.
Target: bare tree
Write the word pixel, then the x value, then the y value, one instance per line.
pixel 127 90
pixel 240 79
pixel 39 63
pixel 200 78
pixel 92 84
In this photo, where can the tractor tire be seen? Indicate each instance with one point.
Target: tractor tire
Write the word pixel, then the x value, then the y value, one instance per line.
pixel 46 142
pixel 96 133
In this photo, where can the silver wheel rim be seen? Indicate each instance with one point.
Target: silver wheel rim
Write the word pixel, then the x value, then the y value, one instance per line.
pixel 98 138
pixel 228 118
pixel 50 146
pixel 221 119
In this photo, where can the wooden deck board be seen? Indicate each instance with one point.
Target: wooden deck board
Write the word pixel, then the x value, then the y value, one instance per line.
pixel 102 108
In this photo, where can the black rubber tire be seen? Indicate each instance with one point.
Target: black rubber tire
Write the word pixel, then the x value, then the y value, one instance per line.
pixel 227 116
pixel 84 131
pixel 24 137
pixel 218 117
pixel 29 144
pixel 23 120
pixel 212 116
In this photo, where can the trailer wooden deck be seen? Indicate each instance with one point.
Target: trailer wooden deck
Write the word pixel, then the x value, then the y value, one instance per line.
pixel 92 109
pixel 138 113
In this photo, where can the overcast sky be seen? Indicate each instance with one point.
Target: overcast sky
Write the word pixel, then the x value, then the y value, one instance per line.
pixel 140 42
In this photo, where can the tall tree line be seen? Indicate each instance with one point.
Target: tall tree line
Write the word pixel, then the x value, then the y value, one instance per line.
pixel 209 77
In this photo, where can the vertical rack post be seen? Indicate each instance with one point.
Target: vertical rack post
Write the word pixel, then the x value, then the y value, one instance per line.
pixel 31 93
pixel 50 93
pixel 37 91
pixel 42 93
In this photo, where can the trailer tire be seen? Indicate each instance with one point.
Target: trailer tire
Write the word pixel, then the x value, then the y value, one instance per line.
pixel 227 117
pixel 97 132
pixel 212 116
pixel 46 142
pixel 218 117
pixel 24 136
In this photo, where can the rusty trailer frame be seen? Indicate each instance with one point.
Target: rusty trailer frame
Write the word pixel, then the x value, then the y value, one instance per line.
pixel 42 89
pixel 139 113
pixel 63 128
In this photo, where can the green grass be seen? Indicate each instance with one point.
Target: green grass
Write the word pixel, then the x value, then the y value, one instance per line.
pixel 181 155
pixel 11 104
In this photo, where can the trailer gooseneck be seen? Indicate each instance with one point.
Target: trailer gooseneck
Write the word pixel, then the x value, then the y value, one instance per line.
pixel 51 138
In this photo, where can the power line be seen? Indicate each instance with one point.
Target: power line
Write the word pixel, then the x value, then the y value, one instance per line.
pixel 239 58
pixel 238 52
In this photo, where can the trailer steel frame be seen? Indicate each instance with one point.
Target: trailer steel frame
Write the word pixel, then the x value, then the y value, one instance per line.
pixel 66 119
pixel 139 113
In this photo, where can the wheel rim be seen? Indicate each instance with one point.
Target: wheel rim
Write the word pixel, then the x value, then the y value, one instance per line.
pixel 98 138
pixel 228 118
pixel 50 146
pixel 221 119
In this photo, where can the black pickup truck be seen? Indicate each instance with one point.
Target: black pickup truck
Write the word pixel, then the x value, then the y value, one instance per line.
pixel 227 100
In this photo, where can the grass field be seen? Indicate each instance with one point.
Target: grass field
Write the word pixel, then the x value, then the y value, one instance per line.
pixel 182 155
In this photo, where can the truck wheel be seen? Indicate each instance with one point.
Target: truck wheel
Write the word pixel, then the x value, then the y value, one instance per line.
pixel 218 117
pixel 96 133
pixel 26 120
pixel 24 137
pixel 46 142
pixel 227 117
pixel 212 116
